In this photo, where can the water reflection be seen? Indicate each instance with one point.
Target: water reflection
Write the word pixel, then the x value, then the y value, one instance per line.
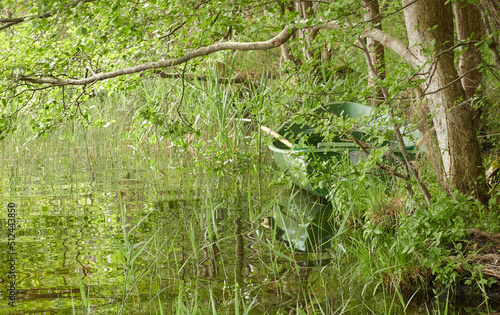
pixel 302 221
pixel 81 232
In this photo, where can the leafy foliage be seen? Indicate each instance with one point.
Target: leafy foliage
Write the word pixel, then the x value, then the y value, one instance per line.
pixel 75 39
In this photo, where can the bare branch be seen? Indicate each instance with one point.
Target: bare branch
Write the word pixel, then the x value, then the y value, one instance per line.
pixel 448 84
pixel 173 31
pixel 182 97
pixel 363 148
pixel 7 25
pixel 395 45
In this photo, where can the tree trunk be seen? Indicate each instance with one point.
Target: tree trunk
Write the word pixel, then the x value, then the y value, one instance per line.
pixel 470 28
pixel 307 10
pixel 429 25
pixel 285 52
pixel 376 50
pixel 492 7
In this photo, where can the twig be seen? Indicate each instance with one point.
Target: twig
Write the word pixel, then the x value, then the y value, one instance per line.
pixel 449 83
pixel 7 25
pixel 399 137
pixel 173 31
pixel 182 98
pixel 361 145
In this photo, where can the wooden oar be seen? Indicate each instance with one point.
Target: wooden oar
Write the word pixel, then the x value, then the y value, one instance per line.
pixel 276 135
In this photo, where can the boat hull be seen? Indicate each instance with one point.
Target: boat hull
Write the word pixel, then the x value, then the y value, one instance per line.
pixel 304 164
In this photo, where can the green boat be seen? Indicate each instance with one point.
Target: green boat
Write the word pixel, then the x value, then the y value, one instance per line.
pixel 307 154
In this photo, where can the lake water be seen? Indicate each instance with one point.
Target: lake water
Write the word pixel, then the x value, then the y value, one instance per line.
pixel 107 229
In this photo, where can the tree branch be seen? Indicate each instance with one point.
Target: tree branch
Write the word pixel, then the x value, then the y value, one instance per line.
pixel 276 41
pixel 399 137
pixel 363 148
pixel 448 84
pixel 395 45
pixel 7 25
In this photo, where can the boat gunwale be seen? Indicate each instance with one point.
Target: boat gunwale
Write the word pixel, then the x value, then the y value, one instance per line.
pixel 410 145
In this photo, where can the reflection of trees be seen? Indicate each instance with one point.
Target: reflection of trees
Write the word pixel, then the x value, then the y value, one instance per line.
pixel 301 217
pixel 252 246
pixel 209 262
pixel 284 289
pixel 242 259
pixel 60 242
pixel 240 246
pixel 306 233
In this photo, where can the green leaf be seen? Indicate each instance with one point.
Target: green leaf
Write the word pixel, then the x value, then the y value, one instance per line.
pixel 483 48
pixel 81 31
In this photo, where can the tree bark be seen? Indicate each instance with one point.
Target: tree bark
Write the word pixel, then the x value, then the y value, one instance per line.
pixel 307 10
pixel 492 7
pixel 375 48
pixel 470 28
pixel 285 52
pixel 429 25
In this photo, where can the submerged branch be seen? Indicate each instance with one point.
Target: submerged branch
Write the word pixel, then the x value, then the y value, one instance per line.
pixel 240 79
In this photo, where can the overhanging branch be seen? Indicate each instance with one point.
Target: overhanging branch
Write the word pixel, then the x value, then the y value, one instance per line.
pixel 276 41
